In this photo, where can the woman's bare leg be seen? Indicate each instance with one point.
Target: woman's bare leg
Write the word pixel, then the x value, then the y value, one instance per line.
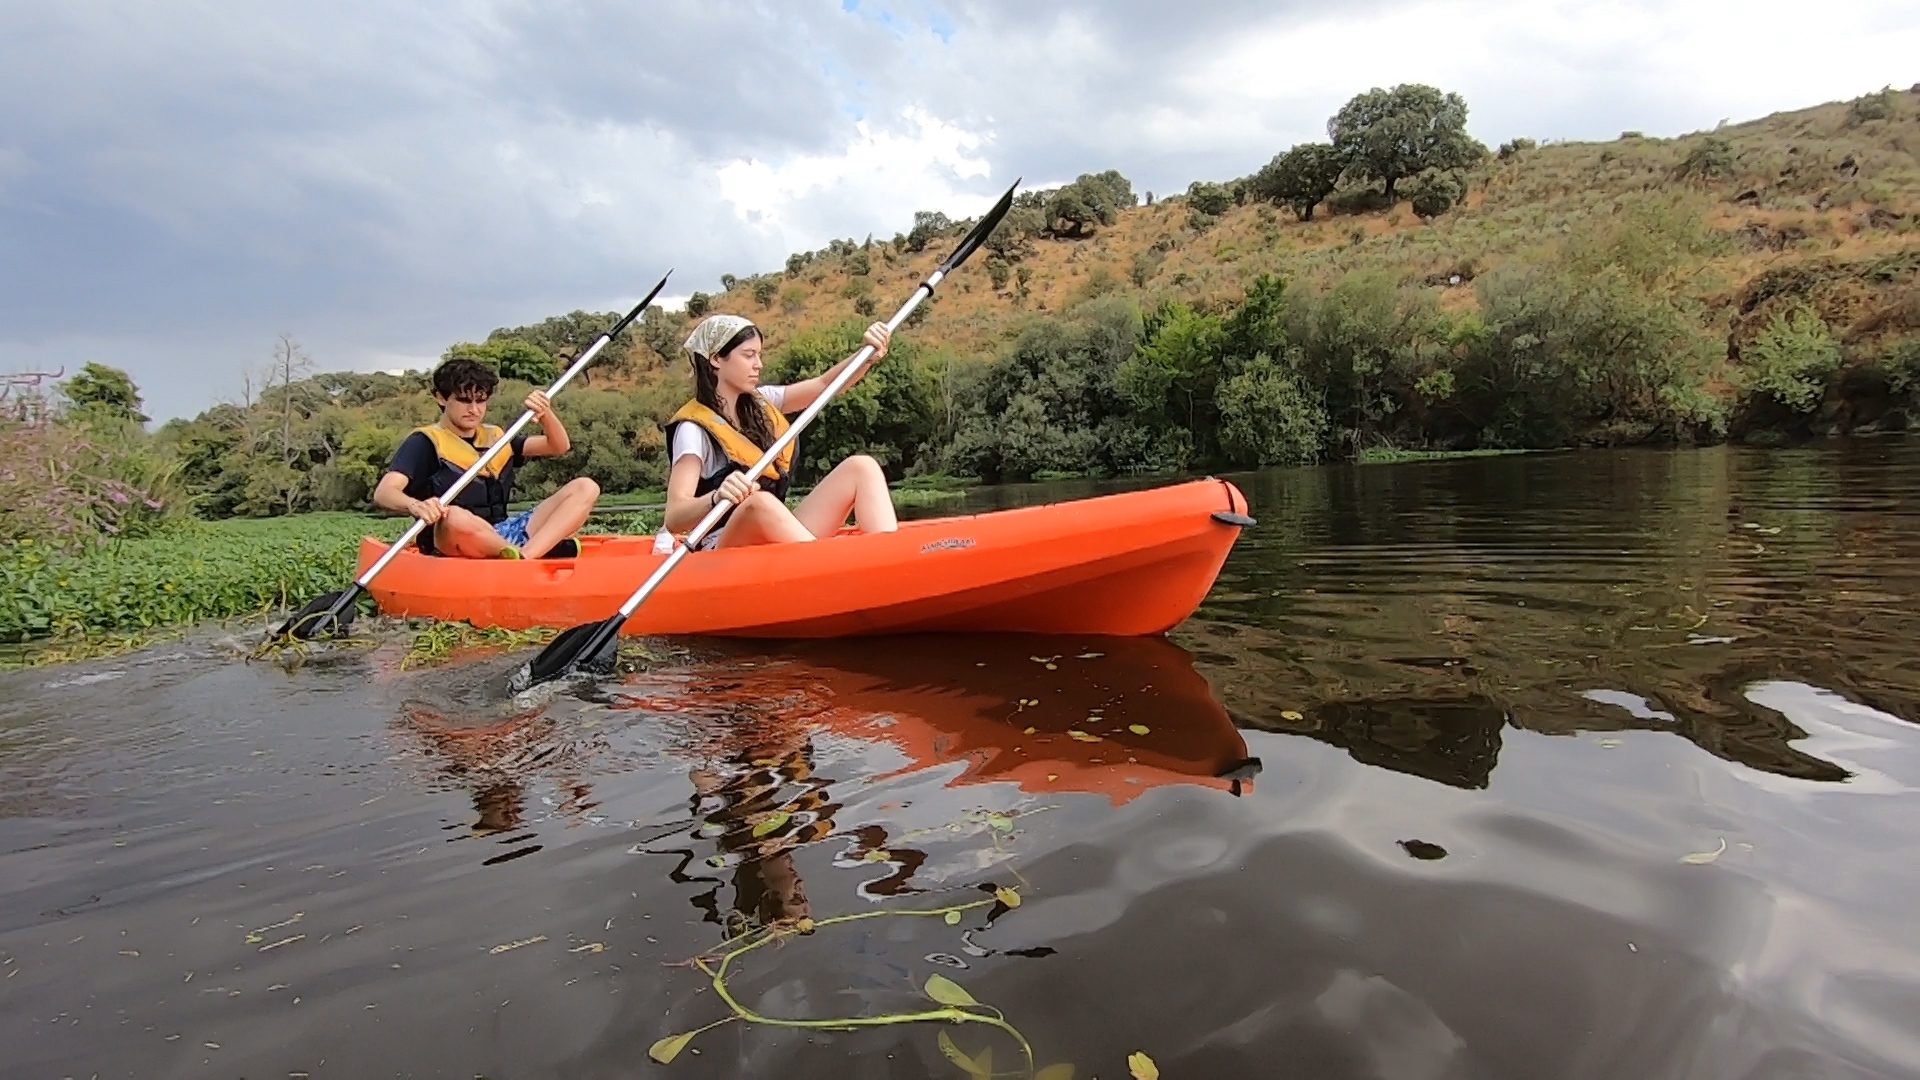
pixel 856 486
pixel 762 519
pixel 559 516
pixel 466 535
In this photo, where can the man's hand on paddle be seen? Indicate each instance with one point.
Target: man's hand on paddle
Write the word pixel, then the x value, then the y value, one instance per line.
pixel 428 510
pixel 879 337
pixel 540 407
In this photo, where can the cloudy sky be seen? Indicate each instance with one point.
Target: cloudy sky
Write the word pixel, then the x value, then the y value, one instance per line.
pixel 181 182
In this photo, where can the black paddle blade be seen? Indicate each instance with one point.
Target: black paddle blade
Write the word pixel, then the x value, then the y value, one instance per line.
pixel 330 615
pixel 593 648
pixel 638 308
pixel 980 231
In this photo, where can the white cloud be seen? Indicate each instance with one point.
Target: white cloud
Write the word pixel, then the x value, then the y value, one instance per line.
pixel 880 178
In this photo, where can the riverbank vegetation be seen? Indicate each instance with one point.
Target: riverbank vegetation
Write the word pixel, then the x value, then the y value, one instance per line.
pixel 1375 297
pixel 188 573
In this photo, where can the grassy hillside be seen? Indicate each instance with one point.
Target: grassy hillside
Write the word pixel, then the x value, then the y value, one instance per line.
pixel 1757 281
pixel 1811 188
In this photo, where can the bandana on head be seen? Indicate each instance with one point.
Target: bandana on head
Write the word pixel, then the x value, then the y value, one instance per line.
pixel 714 332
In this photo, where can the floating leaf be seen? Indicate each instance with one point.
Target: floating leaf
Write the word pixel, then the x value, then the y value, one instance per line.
pixel 982 1070
pixel 1007 897
pixel 1081 736
pixel 1061 1071
pixel 1000 822
pixel 1288 714
pixel 772 823
pixel 1142 1066
pixel 1609 743
pixel 1030 731
pixel 876 855
pixel 669 1048
pixel 1702 858
pixel 947 992
pixel 1138 729
pixel 953 918
pixel 1088 656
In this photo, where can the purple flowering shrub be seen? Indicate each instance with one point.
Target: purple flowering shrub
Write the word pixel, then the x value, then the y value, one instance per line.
pixel 69 480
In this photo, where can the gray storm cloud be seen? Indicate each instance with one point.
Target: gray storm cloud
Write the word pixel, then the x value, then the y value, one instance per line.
pixel 180 183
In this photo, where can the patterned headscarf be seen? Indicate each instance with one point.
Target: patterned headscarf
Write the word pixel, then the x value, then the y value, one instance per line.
pixel 713 333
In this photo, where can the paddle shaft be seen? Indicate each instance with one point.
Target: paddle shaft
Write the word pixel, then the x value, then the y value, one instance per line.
pixel 847 375
pixel 505 441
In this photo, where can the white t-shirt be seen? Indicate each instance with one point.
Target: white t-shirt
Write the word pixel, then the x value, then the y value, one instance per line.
pixel 689 440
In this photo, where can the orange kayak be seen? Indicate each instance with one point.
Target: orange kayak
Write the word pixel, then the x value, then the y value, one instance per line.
pixel 1130 564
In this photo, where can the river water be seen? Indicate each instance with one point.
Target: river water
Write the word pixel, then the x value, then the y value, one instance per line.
pixel 1571 765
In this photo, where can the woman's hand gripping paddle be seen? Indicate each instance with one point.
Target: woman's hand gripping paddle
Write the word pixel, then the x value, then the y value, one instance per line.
pixel 594 647
pixel 329 615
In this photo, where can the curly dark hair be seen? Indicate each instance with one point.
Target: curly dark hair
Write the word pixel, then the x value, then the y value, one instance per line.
pixel 462 377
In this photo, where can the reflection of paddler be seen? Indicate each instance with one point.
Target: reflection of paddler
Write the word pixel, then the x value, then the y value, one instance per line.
pixel 746 803
pixel 1108 716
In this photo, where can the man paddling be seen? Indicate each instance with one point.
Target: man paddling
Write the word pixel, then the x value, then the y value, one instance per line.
pixel 478 525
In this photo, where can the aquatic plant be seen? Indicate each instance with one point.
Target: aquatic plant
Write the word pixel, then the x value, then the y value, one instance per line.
pixel 187 574
pixel 956 1005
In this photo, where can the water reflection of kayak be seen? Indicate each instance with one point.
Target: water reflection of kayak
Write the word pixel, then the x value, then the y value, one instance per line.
pixel 1108 716
pixel 1135 563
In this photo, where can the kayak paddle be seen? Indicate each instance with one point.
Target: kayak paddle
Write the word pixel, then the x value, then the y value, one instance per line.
pixel 594 647
pixel 330 614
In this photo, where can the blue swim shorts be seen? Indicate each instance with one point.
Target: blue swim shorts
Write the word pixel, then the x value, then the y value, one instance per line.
pixel 514 529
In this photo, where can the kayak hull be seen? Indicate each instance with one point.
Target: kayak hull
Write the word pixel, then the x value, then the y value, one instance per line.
pixel 1124 565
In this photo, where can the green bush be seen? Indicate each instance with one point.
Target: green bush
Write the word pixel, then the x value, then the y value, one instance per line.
pixel 1436 193
pixel 1710 159
pixel 1268 418
pixel 1875 106
pixel 1513 148
pixel 1792 360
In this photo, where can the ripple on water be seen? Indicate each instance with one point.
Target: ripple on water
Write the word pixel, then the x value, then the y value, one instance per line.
pixel 1592 765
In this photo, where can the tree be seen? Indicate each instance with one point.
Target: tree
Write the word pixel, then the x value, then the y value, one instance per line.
pixel 1209 198
pixel 927 224
pixel 1300 178
pixel 1092 200
pixel 889 414
pixel 564 337
pixel 1390 134
pixel 106 391
pixel 698 303
pixel 512 358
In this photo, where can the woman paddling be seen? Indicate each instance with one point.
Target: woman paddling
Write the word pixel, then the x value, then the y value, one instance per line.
pixel 715 438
